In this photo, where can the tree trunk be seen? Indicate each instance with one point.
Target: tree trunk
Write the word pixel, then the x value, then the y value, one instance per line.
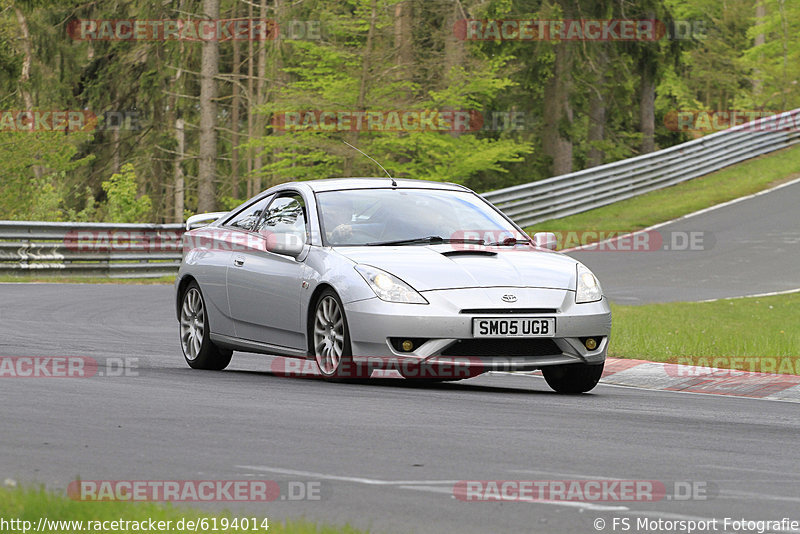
pixel 235 105
pixel 278 78
pixel 402 35
pixel 647 111
pixel 453 46
pixel 785 84
pixel 558 113
pixel 597 110
pixel 25 74
pixel 597 128
pixel 177 172
pixel 173 113
pixel 260 94
pixel 250 105
pixel 760 39
pixel 207 153
pixel 362 85
pixel 116 165
pixel 27 59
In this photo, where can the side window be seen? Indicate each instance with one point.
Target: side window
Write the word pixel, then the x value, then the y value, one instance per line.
pixel 248 217
pixel 286 215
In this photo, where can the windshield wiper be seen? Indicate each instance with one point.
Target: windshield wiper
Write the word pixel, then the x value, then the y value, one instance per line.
pixel 431 239
pixel 509 241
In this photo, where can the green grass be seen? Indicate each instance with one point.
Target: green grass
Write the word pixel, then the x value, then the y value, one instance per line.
pixel 646 210
pixel 85 279
pixel 29 504
pixel 755 333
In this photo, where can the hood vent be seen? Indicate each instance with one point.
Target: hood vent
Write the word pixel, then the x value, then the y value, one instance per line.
pixel 451 253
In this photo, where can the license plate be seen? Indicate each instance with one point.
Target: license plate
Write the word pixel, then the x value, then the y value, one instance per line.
pixel 514 327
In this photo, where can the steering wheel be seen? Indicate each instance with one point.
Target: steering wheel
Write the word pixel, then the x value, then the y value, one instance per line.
pixel 347 233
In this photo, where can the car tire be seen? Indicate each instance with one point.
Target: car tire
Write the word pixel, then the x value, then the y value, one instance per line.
pixel 573 378
pixel 195 335
pixel 330 338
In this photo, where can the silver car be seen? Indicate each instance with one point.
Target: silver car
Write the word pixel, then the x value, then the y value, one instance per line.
pixel 374 275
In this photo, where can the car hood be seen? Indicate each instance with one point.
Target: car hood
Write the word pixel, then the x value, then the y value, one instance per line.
pixel 447 267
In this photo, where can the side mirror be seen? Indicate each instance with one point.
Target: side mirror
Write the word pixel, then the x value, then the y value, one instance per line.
pixel 286 244
pixel 197 220
pixel 546 240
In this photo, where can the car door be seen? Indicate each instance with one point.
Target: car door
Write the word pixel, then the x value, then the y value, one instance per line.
pixel 209 251
pixel 264 287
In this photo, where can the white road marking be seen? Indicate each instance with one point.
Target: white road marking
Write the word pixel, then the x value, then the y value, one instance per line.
pixel 571 504
pixel 723 493
pixel 357 480
pixel 422 485
pixel 760 496
pixel 748 470
pixel 770 294
pixel 566 475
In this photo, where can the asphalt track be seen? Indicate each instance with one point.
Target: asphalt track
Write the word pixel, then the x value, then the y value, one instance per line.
pixel 745 248
pixel 386 454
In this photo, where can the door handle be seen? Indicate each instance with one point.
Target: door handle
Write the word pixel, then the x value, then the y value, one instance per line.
pixel 238 261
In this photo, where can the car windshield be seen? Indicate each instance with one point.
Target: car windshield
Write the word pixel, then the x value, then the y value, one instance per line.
pixel 410 217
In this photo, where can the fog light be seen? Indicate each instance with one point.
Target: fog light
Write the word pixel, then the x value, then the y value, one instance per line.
pixel 590 343
pixel 408 346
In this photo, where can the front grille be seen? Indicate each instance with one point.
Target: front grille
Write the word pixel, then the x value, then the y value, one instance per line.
pixel 503 347
pixel 506 311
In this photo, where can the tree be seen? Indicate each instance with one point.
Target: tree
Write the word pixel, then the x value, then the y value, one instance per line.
pixel 776 58
pixel 207 145
pixel 203 112
pixel 349 71
pixel 123 205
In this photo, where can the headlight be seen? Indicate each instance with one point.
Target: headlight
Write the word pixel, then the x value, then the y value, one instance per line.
pixel 388 287
pixel 588 289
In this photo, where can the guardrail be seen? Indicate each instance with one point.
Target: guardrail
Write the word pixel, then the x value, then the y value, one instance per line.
pixel 99 249
pixel 568 194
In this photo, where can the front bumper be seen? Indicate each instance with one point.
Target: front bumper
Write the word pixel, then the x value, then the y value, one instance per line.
pixel 445 328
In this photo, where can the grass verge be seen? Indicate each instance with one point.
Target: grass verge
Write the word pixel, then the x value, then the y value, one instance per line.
pixel 55 279
pixel 753 334
pixel 739 180
pixel 31 505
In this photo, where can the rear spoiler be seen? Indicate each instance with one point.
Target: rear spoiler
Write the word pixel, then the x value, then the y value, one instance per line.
pixel 194 220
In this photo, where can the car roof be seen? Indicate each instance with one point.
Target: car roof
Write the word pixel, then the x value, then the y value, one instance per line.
pixel 338 184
